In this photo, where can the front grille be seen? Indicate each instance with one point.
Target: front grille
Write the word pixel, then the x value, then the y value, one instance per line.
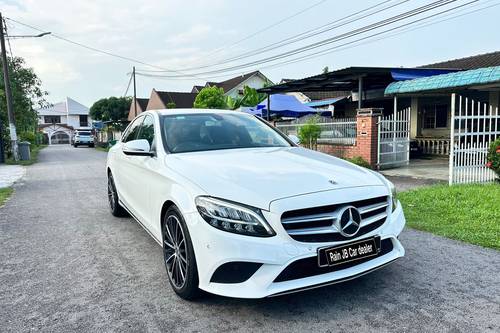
pixel 307 267
pixel 317 224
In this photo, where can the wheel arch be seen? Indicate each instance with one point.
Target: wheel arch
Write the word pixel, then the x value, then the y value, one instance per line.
pixel 166 205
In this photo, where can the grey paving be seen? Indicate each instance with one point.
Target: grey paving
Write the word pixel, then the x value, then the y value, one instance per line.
pixel 9 174
pixel 67 265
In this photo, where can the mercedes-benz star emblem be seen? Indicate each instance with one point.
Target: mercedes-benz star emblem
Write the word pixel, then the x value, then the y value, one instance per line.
pixel 348 221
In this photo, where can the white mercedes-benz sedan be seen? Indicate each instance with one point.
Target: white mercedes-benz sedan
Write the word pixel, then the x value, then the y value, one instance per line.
pixel 241 210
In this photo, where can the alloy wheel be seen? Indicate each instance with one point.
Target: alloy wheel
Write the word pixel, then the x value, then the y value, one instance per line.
pixel 175 251
pixel 111 193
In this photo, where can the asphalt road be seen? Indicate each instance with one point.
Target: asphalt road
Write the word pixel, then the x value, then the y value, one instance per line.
pixel 67 265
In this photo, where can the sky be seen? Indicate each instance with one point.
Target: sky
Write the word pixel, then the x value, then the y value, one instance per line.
pixel 176 35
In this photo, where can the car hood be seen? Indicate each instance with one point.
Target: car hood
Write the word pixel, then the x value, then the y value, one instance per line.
pixel 259 176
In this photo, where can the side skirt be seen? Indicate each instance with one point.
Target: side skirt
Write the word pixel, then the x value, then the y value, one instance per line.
pixel 140 223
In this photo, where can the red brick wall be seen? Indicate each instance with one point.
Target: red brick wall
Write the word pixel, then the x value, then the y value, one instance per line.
pixel 366 141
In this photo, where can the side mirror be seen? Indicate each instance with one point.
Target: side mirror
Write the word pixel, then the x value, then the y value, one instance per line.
pixel 294 139
pixel 137 148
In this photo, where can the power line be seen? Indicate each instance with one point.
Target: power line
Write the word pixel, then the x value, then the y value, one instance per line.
pixel 333 39
pixel 217 50
pixel 103 51
pixel 301 36
pixel 346 20
pixel 128 86
pixel 362 40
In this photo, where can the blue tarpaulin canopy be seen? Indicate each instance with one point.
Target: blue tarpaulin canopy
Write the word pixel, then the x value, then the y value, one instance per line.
pixel 284 106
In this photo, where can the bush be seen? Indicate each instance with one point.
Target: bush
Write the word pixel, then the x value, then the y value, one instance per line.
pixel 309 133
pixel 358 160
pixel 494 157
pixel 28 136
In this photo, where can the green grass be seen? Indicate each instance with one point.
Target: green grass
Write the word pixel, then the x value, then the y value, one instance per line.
pixel 34 156
pixel 5 194
pixel 105 149
pixel 469 213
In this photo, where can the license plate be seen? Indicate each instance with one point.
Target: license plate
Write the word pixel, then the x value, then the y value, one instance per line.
pixel 331 256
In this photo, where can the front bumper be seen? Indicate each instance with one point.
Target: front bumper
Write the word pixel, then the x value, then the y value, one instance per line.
pixel 214 248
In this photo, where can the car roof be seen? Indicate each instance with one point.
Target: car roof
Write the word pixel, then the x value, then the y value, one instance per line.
pixel 166 112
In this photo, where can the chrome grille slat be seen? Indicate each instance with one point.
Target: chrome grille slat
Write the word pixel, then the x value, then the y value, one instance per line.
pixel 374 218
pixel 308 218
pixel 313 231
pixel 313 224
pixel 371 208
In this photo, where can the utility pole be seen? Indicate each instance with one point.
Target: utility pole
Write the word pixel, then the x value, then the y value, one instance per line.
pixel 8 94
pixel 135 96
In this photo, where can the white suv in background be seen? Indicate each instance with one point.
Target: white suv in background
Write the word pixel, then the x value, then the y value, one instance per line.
pixel 242 211
pixel 83 137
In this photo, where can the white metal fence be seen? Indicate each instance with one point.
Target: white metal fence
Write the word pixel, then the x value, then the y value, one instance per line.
pixel 338 131
pixel 394 139
pixel 474 126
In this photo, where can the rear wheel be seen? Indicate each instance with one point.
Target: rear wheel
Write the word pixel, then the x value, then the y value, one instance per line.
pixel 114 203
pixel 178 252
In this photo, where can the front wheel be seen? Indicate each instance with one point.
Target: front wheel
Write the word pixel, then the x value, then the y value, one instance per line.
pixel 179 258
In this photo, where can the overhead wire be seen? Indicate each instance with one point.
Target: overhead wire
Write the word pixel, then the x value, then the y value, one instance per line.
pixel 333 39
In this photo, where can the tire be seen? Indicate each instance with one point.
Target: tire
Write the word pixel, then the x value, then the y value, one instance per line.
pixel 183 281
pixel 75 145
pixel 113 200
pixel 91 145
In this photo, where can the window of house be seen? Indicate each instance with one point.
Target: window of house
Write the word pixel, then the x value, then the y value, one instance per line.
pixel 435 116
pixel 84 120
pixel 52 119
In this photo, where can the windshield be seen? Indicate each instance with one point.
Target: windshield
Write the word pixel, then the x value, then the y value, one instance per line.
pixel 211 131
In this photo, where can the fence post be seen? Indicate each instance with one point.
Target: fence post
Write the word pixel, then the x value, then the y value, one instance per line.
pixel 367 134
pixel 452 139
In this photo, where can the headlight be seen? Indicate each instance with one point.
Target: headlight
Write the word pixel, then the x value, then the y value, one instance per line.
pixel 394 196
pixel 233 217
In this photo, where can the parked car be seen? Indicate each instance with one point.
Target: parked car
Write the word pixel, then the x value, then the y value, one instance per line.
pixel 242 211
pixel 83 138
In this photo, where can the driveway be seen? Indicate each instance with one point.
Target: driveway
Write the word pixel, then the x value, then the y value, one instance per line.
pixel 67 265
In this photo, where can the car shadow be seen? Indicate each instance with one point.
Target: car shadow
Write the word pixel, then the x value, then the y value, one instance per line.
pixel 364 291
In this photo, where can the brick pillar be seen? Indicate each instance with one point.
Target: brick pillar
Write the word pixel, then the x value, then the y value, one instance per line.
pixel 367 134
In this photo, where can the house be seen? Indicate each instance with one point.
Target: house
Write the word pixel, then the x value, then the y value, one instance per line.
pixel 137 106
pixel 448 108
pixel 170 100
pixel 234 87
pixel 344 86
pixel 58 121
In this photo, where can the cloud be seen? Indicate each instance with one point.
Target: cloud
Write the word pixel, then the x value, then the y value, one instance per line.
pixel 193 34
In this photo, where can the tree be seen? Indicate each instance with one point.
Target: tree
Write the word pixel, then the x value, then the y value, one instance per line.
pixel 114 109
pixel 171 105
pixel 210 98
pixel 325 70
pixel 250 98
pixel 310 132
pixel 27 95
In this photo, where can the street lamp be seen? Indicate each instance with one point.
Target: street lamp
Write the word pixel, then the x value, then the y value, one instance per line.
pixel 8 93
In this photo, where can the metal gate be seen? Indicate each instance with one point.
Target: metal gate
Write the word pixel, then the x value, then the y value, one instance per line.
pixel 394 139
pixel 474 126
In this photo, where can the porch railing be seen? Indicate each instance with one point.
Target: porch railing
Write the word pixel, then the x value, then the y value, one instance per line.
pixel 434 146
pixel 339 131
